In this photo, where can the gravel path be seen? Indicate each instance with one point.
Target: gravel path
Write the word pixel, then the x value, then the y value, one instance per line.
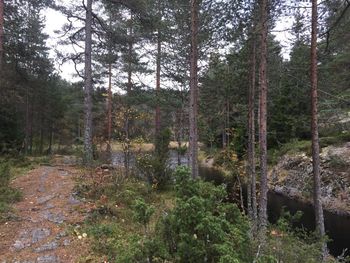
pixel 38 231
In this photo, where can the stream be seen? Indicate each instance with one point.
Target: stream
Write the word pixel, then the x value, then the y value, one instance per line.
pixel 337 226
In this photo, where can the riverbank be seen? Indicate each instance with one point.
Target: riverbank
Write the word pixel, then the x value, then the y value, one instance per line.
pixel 292 177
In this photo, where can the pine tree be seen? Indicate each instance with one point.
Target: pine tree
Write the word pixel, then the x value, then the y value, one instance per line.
pixel 263 115
pixel 88 89
pixel 314 129
pixel 1 33
pixel 194 90
pixel 252 205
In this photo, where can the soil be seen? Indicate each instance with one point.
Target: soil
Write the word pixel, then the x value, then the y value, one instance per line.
pixel 39 230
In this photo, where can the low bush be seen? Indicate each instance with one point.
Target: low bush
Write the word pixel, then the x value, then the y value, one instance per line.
pixel 287 244
pixel 202 227
pixel 154 167
pixel 8 195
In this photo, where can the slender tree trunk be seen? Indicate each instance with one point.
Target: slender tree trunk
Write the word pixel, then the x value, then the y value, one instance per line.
pixel 194 90
pixel 27 128
pixel 78 130
pixel 252 206
pixel 159 50
pixel 41 144
pixel 49 150
pixel 227 123
pixel 314 130
pixel 224 136
pixel 109 109
pixel 88 151
pixel 128 94
pixel 1 33
pixel 31 128
pixel 263 117
pixel 177 128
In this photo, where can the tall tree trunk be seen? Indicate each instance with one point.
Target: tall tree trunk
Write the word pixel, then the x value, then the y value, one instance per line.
pixel 227 123
pixel 49 150
pixel 41 143
pixel 1 33
pixel 27 127
pixel 159 50
pixel 31 128
pixel 314 129
pixel 88 151
pixel 224 135
pixel 194 89
pixel 109 109
pixel 263 117
pixel 252 206
pixel 128 94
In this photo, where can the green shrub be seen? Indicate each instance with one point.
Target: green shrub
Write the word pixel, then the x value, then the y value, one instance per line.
pixel 337 163
pixel 143 212
pixel 287 244
pixel 105 238
pixel 4 174
pixel 155 170
pixel 154 167
pixel 202 227
pixel 8 195
pixel 181 149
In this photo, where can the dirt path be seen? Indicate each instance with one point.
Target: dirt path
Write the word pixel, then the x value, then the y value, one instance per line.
pixel 38 234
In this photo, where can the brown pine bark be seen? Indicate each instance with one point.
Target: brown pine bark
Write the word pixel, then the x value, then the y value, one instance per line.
pixel 1 33
pixel 41 142
pixel 128 94
pixel 263 116
pixel 27 125
pixel 109 110
pixel 159 49
pixel 130 46
pixel 193 114
pixel 88 152
pixel 49 149
pixel 252 205
pixel 314 129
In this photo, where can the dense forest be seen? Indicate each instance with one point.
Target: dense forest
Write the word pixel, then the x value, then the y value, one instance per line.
pixel 182 121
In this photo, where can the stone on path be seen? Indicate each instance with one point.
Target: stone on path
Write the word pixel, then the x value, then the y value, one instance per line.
pixel 73 201
pixel 48 259
pixel 49 246
pixel 44 199
pixel 39 234
pixel 55 218
pixel 28 238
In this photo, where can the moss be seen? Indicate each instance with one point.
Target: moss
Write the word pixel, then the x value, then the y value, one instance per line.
pixel 293 147
pixel 304 146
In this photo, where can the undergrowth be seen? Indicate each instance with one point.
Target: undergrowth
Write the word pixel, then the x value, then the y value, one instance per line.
pixel 298 146
pixel 190 222
pixel 8 195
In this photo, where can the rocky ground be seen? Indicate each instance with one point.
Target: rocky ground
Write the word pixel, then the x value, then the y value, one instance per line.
pixel 38 230
pixel 292 176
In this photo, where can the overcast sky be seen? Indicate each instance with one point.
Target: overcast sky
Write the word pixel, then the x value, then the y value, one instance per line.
pixel 55 21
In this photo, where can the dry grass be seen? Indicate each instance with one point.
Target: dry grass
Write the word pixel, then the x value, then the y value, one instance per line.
pixel 148 147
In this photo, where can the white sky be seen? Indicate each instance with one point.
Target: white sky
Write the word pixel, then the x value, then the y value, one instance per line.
pixel 55 20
